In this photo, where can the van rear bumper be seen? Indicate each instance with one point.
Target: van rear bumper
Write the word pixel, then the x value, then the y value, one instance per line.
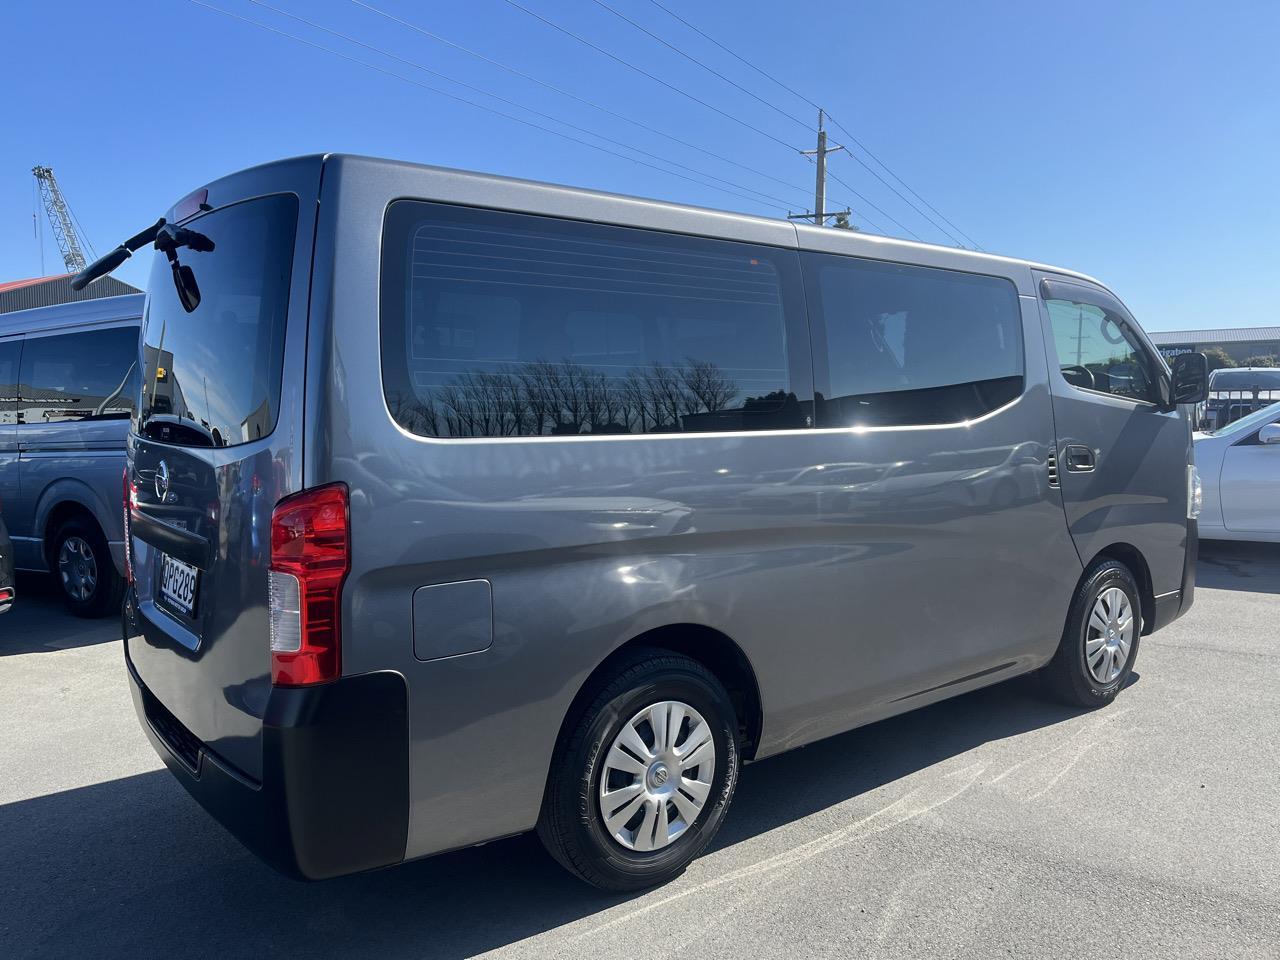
pixel 334 796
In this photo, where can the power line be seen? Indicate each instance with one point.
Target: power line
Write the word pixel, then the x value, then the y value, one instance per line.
pixel 707 36
pixel 879 210
pixel 83 236
pixel 871 170
pixel 640 70
pixel 692 59
pixel 597 106
pixel 473 103
pixel 573 96
pixel 838 125
pixel 434 36
pixel 513 103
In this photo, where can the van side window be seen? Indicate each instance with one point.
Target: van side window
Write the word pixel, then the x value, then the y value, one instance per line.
pixel 1097 351
pixel 909 345
pixel 504 325
pixel 91 375
pixel 10 350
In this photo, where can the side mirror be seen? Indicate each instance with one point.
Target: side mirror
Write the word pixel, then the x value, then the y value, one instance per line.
pixel 1190 379
pixel 1270 433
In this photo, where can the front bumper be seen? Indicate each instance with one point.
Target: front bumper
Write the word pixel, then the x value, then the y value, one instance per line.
pixel 334 796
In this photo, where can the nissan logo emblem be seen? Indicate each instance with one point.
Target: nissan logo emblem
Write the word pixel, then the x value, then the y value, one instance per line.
pixel 162 482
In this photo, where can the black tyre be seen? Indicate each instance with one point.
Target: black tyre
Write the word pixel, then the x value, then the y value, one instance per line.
pixel 1100 643
pixel 82 564
pixel 644 775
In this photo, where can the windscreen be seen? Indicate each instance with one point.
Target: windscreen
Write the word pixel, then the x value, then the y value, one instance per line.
pixel 1259 418
pixel 212 376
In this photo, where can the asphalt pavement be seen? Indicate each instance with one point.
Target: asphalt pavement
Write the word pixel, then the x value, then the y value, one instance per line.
pixel 995 824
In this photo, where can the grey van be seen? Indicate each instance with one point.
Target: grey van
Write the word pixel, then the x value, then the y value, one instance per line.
pixel 68 378
pixel 462 506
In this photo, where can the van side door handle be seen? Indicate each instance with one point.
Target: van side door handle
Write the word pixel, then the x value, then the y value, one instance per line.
pixel 1080 459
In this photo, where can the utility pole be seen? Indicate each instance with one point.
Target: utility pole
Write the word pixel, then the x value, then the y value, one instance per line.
pixel 60 219
pixel 820 212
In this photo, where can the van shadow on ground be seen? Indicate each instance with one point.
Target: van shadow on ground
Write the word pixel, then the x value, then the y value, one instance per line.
pixel 1232 565
pixel 131 867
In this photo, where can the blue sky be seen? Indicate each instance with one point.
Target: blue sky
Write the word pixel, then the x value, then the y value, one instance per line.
pixel 1139 142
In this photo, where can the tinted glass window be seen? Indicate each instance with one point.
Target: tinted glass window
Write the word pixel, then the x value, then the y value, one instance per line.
pixel 912 345
pixel 1097 351
pixel 212 377
pixel 79 376
pixel 10 351
pixel 1260 380
pixel 499 325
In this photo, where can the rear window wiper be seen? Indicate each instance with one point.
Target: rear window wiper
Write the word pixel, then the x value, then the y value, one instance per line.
pixel 167 238
pixel 106 264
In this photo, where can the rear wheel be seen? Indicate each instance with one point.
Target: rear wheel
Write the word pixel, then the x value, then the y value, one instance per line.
pixel 84 569
pixel 1100 643
pixel 642 781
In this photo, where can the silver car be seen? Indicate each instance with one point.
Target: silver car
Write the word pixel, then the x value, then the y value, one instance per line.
pixel 463 506
pixel 1240 464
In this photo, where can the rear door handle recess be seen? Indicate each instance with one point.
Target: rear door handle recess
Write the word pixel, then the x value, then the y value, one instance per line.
pixel 1080 459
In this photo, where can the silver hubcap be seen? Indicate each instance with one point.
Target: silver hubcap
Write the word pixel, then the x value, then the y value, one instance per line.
pixel 657 776
pixel 1110 635
pixel 77 567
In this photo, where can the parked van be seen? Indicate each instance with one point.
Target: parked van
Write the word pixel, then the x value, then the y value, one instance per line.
pixel 68 378
pixel 463 505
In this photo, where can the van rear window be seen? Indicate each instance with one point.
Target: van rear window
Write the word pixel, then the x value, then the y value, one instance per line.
pixel 212 377
pixel 505 325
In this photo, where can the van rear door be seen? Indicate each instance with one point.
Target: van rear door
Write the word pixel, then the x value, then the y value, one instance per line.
pixel 216 443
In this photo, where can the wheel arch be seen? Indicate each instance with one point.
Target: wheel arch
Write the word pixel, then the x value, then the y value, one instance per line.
pixel 60 502
pixel 710 647
pixel 1133 559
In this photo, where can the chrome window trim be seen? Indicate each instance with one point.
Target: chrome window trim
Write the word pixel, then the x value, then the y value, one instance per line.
pixel 726 434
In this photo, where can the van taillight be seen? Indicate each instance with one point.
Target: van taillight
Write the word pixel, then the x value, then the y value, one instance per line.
pixel 130 498
pixel 310 557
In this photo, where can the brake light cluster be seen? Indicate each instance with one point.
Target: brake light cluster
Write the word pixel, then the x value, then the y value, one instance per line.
pixel 310 559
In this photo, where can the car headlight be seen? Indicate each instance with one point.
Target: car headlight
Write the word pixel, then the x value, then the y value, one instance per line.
pixel 1195 492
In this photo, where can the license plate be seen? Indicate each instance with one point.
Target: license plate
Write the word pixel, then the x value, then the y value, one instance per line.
pixel 178 584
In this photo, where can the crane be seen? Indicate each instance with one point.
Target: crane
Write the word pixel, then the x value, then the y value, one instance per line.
pixel 61 219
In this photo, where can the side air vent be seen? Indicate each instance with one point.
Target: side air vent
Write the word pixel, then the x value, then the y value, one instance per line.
pixel 1053 471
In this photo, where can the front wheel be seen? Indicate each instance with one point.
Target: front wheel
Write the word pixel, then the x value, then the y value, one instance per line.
pixel 1100 643
pixel 643 779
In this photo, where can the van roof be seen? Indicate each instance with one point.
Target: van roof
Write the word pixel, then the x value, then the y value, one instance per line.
pixel 859 242
pixel 853 242
pixel 75 314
